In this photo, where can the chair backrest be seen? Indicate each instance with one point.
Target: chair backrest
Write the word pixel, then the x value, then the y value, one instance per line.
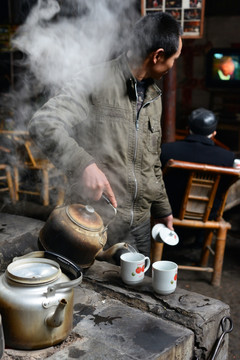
pixel 12 143
pixel 201 184
pixel 29 152
pixel 25 151
pixel 6 149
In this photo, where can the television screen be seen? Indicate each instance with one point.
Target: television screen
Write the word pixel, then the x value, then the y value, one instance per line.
pixel 223 68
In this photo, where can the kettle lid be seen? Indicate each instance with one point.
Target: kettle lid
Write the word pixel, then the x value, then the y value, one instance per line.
pixel 85 217
pixel 33 271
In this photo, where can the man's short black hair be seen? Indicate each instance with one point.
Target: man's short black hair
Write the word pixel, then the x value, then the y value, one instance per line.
pixel 154 31
pixel 202 122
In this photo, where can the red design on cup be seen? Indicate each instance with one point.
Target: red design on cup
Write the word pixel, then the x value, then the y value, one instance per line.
pixel 138 270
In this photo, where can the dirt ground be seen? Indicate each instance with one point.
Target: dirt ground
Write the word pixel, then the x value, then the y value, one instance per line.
pixel 228 292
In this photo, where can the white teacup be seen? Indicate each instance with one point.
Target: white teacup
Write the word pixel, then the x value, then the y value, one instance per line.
pixel 236 163
pixel 133 267
pixel 164 277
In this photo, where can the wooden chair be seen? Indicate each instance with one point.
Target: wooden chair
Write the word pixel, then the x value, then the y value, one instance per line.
pixel 203 182
pixel 6 182
pixel 50 177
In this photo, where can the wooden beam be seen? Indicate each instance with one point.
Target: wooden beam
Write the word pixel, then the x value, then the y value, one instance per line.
pixel 169 105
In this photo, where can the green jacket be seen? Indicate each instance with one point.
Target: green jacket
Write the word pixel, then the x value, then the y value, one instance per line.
pixel 94 119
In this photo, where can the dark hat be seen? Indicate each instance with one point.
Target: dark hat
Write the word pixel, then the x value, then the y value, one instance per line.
pixel 202 121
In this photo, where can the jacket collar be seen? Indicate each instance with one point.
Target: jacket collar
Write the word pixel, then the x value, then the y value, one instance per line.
pixel 153 90
pixel 199 138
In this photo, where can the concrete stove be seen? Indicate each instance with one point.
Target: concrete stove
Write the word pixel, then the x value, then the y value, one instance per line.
pixel 115 321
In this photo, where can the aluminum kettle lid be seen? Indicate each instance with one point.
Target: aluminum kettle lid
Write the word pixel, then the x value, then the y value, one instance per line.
pixel 84 216
pixel 33 271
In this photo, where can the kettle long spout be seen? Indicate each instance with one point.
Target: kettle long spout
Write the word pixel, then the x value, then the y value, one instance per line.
pixel 112 254
pixel 56 319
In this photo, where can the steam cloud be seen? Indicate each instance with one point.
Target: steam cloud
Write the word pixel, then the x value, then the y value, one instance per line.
pixel 57 40
pixel 60 38
pixel 57 47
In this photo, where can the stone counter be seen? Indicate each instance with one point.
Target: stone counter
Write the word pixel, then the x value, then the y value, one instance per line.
pixel 198 313
pixel 112 320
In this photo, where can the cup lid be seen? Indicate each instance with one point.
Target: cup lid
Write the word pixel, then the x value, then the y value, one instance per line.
pixel 168 236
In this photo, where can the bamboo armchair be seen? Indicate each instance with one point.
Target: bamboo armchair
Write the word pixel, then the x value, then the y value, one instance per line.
pixel 203 182
pixel 50 178
pixel 6 182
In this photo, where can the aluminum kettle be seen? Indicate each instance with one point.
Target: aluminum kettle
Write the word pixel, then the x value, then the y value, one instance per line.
pixel 36 300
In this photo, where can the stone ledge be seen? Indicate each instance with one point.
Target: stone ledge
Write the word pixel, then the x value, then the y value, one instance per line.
pixel 199 314
pixel 117 331
pixel 194 311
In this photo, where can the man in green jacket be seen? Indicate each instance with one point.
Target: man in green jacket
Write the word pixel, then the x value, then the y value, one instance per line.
pixel 103 130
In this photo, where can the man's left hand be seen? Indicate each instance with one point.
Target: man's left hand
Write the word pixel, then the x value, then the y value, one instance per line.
pixel 167 221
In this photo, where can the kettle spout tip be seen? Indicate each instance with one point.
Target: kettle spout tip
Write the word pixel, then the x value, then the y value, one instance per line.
pixel 56 319
pixel 112 254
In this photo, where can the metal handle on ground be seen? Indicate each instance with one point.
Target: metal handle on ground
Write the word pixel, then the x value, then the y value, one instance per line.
pixel 227 326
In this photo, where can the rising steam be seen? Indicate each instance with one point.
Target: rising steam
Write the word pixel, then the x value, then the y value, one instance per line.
pixel 57 46
pixel 60 38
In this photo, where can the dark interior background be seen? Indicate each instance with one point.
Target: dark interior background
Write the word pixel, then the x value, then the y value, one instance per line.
pixel 221 24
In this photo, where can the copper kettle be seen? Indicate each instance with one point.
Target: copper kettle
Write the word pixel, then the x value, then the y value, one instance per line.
pixel 77 232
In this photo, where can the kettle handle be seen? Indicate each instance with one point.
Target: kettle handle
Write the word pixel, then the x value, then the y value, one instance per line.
pixel 51 290
pixel 115 211
pixel 73 271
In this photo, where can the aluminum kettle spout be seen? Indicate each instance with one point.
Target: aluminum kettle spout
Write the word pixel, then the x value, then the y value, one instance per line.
pixel 56 319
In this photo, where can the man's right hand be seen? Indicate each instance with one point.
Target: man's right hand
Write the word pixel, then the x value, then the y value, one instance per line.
pixel 95 184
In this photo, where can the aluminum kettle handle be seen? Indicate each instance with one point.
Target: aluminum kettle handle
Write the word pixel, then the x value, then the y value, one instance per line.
pixel 73 271
pixel 51 290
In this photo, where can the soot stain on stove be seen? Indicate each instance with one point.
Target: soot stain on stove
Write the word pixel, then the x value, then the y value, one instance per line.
pixel 75 353
pixel 154 339
pixel 81 311
pixel 98 319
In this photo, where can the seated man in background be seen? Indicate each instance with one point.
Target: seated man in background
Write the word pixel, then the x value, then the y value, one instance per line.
pixel 197 147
